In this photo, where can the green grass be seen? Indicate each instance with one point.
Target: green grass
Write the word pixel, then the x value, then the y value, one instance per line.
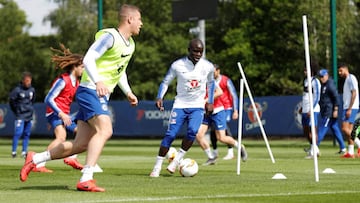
pixel 127 164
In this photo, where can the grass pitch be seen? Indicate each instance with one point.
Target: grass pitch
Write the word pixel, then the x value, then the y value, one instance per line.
pixel 127 164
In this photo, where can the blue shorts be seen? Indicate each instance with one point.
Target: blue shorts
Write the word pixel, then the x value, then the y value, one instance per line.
pixel 229 113
pixel 352 117
pixel 54 121
pixel 305 120
pixel 219 120
pixel 192 117
pixel 90 104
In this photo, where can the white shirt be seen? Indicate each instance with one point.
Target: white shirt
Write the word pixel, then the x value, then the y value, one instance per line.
pixel 350 84
pixel 191 82
pixel 316 88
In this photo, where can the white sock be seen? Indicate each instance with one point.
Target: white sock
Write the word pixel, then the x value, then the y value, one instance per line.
pixel 351 149
pixel 41 157
pixel 88 173
pixel 42 164
pixel 357 142
pixel 180 155
pixel 208 153
pixel 215 152
pixel 159 161
pixel 231 151
pixel 236 144
pixel 73 156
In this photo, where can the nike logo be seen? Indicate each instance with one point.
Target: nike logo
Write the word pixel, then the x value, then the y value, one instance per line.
pixel 125 55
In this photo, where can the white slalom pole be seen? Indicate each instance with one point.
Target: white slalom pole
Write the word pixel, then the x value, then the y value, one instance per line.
pixel 308 74
pixel 256 112
pixel 240 121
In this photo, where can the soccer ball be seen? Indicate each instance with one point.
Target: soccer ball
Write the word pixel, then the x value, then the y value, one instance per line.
pixel 171 154
pixel 188 167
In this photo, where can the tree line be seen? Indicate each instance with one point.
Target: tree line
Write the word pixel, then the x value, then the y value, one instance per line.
pixel 266 36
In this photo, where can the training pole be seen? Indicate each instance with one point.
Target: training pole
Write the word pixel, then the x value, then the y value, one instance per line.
pixel 240 121
pixel 256 112
pixel 308 74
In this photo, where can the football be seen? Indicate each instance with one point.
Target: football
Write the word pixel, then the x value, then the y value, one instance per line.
pixel 188 167
pixel 171 154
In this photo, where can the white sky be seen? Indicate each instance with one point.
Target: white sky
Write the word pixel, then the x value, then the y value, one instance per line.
pixel 35 11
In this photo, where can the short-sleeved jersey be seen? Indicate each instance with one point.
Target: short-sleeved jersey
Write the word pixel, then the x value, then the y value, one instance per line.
pixel 316 86
pixel 113 63
pixel 350 84
pixel 192 81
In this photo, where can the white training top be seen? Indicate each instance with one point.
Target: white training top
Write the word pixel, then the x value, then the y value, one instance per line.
pixel 350 84
pixel 316 86
pixel 192 81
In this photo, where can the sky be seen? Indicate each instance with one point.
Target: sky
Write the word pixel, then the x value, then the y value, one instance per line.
pixel 35 11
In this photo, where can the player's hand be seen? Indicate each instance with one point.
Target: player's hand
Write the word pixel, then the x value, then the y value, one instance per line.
pixel 101 89
pixel 209 108
pixel 132 99
pixel 235 115
pixel 159 104
pixel 65 118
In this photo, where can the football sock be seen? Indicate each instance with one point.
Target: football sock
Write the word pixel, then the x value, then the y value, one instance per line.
pixel 208 153
pixel 357 141
pixel 159 161
pixel 73 156
pixel 231 150
pixel 236 144
pixel 351 149
pixel 88 173
pixel 42 164
pixel 41 157
pixel 181 153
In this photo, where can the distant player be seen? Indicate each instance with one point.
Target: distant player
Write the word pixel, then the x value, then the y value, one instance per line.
pixel 350 108
pixel 230 101
pixel 59 99
pixel 305 108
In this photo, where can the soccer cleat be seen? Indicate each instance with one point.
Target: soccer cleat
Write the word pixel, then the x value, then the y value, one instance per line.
pixel 342 151
pixel 13 154
pixel 348 155
pixel 23 154
pixel 27 167
pixel 210 162
pixel 89 186
pixel 73 162
pixel 155 172
pixel 307 149
pixel 243 153
pixel 41 169
pixel 228 156
pixel 172 166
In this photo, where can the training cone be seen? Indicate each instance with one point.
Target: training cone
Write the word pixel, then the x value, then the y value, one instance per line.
pixel 329 170
pixel 279 176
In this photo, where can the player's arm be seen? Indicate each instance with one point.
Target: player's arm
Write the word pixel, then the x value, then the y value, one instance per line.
pixel 316 93
pixel 96 50
pixel 53 93
pixel 13 98
pixel 164 85
pixel 334 98
pixel 125 88
pixel 233 94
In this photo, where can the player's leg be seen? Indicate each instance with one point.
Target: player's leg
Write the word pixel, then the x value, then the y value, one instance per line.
pixel 204 144
pixel 213 141
pixel 230 152
pixel 18 131
pixel 193 118
pixel 178 116
pixel 346 127
pixel 334 125
pixel 26 137
pixel 355 135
